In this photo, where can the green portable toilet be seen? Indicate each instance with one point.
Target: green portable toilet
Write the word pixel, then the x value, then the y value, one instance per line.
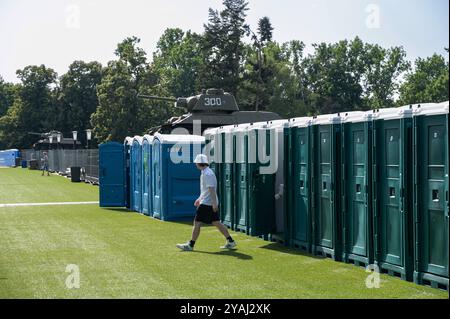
pixel 212 150
pixel 261 171
pixel 281 233
pixel 226 182
pixel 241 177
pixel 298 167
pixel 431 201
pixel 356 213
pixel 325 146
pixel 391 190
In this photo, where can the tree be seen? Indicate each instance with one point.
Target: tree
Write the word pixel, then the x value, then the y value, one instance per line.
pixel 383 70
pixel 223 48
pixel 33 109
pixel 7 94
pixel 120 112
pixel 334 74
pixel 428 82
pixel 77 95
pixel 177 62
pixel 265 30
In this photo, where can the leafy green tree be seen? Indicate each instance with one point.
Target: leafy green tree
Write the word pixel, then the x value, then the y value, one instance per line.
pixel 33 109
pixel 177 62
pixel 120 112
pixel 265 30
pixel 223 46
pixel 428 82
pixel 77 95
pixel 7 95
pixel 334 74
pixel 383 70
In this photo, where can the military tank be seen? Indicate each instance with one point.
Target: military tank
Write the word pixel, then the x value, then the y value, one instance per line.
pixel 212 108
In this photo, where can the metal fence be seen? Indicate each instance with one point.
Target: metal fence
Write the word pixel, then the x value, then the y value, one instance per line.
pixel 60 161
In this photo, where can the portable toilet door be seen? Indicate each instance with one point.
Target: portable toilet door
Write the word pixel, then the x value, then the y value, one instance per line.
pixel 261 175
pixel 136 174
pixel 281 233
pixel 112 175
pixel 357 237
pixel 179 177
pixel 431 199
pixel 127 150
pixel 147 168
pixel 227 188
pixel 392 179
pixel 156 184
pixel 298 183
pixel 241 178
pixel 325 158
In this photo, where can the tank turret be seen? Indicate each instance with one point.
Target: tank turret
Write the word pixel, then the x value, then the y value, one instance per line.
pixel 213 108
pixel 211 100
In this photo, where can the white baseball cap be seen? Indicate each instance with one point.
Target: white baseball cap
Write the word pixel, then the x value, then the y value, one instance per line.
pixel 201 159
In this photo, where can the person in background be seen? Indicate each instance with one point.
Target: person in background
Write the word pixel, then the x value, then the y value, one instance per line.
pixel 207 206
pixel 45 164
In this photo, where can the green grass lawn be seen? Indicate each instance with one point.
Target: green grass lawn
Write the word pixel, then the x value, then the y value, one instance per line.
pixel 18 185
pixel 122 254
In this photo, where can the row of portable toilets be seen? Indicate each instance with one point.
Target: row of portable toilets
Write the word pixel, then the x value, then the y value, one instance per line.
pixel 360 187
pixel 152 175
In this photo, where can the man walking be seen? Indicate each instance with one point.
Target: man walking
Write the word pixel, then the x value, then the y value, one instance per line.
pixel 207 206
pixel 45 164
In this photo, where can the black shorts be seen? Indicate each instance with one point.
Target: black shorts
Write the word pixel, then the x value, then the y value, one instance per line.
pixel 205 214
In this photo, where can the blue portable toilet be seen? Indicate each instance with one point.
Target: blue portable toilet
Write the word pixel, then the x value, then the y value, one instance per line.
pixel 136 174
pixel 8 157
pixel 175 178
pixel 112 175
pixel 127 150
pixel 147 144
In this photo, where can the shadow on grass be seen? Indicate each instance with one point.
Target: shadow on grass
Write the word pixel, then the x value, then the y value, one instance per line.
pixel 188 222
pixel 119 210
pixel 230 253
pixel 287 250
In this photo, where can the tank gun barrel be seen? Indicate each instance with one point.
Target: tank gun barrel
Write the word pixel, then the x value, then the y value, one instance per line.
pixel 156 98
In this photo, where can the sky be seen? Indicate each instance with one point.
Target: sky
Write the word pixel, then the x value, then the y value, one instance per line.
pixel 57 32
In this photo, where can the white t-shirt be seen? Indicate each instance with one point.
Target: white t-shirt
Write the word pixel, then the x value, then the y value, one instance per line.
pixel 207 179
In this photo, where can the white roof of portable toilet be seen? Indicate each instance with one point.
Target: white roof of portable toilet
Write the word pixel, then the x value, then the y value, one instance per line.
pixel 139 139
pixel 300 121
pixel 211 131
pixel 226 129
pixel 148 138
pixel 128 140
pixel 326 119
pixel 172 138
pixel 393 113
pixel 356 117
pixel 431 109
pixel 241 127
pixel 278 123
pixel 258 125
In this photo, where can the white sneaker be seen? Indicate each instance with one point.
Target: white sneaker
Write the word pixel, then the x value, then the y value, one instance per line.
pixel 229 245
pixel 185 247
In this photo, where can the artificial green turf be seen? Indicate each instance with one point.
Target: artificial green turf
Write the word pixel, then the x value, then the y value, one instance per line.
pixel 126 255
pixel 18 185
